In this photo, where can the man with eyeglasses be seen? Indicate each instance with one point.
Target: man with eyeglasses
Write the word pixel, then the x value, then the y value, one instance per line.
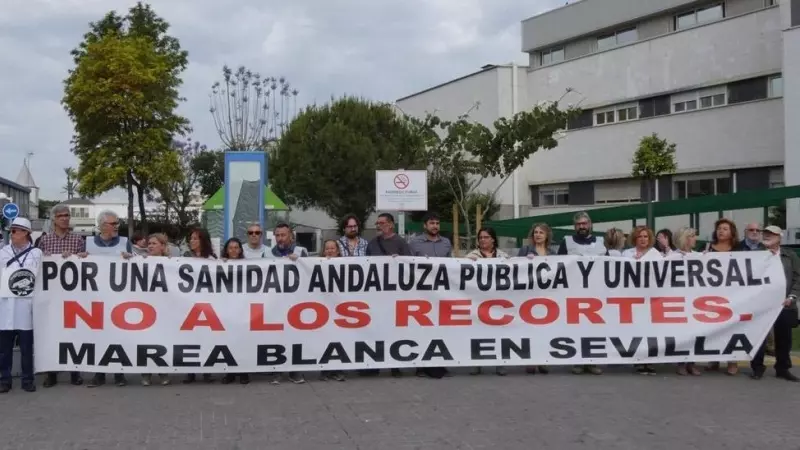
pixel 62 241
pixel 351 243
pixel 752 238
pixel 255 248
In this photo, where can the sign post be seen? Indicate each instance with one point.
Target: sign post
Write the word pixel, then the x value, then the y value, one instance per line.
pixel 401 190
pixel 10 211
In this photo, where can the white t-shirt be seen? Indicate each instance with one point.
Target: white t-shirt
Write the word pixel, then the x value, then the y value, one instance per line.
pixel 256 253
pixel 652 253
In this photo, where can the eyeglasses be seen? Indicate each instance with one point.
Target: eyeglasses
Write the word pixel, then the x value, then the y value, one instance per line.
pixel 754 230
pixel 59 216
pixel 113 224
pixel 351 227
pixel 254 233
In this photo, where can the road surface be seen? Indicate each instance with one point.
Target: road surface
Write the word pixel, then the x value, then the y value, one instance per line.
pixel 618 410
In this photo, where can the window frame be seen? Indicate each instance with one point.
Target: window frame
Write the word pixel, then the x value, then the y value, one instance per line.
pixel 700 177
pixel 771 87
pixel 549 53
pixel 615 37
pixel 694 13
pixel 555 191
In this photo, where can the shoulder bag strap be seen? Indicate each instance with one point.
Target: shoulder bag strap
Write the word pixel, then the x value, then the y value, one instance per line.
pixel 19 255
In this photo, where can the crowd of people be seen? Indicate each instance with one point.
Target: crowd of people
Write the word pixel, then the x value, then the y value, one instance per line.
pixel 16 313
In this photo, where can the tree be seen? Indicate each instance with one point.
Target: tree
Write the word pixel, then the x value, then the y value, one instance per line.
pixel 479 152
pixel 45 206
pixel 178 196
pixel 209 168
pixel 441 200
pixel 249 110
pixel 71 185
pixel 142 22
pixel 121 97
pixel 329 154
pixel 654 158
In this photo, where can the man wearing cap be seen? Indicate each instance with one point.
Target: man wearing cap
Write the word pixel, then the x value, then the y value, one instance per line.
pixel 62 241
pixel 16 307
pixel 787 319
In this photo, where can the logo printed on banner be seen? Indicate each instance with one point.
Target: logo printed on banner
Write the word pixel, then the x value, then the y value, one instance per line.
pixel 185 315
pixel 21 283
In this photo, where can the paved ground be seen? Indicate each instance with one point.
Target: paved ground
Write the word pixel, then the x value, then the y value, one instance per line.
pixel 560 411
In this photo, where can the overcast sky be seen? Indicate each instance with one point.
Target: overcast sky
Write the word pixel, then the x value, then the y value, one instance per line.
pixel 378 49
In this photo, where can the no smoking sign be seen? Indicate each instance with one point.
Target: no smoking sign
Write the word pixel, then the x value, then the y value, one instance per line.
pixel 401 181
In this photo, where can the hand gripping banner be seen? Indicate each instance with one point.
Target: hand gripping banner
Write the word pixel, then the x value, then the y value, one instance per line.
pixel 160 315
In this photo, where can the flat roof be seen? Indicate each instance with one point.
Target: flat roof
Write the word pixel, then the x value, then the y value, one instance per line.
pixel 9 183
pixel 557 8
pixel 483 69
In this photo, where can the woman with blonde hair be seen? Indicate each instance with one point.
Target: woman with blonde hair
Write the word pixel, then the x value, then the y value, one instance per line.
pixel 541 236
pixel 614 240
pixel 685 242
pixel 158 246
pixel 642 240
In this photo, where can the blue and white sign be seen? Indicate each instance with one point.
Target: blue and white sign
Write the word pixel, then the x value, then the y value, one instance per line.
pixel 10 211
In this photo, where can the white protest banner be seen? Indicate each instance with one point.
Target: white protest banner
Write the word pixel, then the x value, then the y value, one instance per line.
pixel 104 314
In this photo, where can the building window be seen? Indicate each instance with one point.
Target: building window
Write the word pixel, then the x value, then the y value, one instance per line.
pixel 618 38
pixel 776 178
pixel 79 213
pixel 582 120
pixel 627 113
pixel 776 86
pixel 699 16
pixel 687 105
pixel 604 117
pixel 768 3
pixel 552 56
pixel 553 196
pixel 748 90
pixel 617 192
pixel 702 186
pixel 655 106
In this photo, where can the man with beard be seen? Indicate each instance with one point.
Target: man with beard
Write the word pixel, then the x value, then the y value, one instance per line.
pixel 387 243
pixel 431 244
pixel 787 319
pixel 351 243
pixel 583 243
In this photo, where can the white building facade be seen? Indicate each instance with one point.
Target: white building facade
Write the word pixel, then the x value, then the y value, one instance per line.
pixel 719 79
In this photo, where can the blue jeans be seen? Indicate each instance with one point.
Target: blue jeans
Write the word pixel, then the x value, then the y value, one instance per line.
pixel 7 355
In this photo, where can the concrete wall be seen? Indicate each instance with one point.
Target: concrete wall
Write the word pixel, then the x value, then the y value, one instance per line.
pixel 791 105
pixel 743 46
pixel 711 139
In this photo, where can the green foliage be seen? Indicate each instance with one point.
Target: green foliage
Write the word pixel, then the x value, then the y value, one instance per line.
pixel 328 155
pixel 777 215
pixel 209 168
pixel 655 157
pixel 441 201
pixel 466 153
pixel 71 186
pixel 177 196
pixel 121 96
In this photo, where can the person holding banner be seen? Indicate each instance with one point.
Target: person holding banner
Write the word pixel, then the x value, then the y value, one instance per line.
pixel 332 249
pixel 108 242
pixel 62 241
pixel 583 243
pixel 233 249
pixel 614 240
pixel 686 241
pixel 725 238
pixel 255 248
pixel 351 242
pixel 487 248
pixel 157 246
pixel 787 319
pixel 199 247
pixel 642 244
pixel 541 236
pixel 19 263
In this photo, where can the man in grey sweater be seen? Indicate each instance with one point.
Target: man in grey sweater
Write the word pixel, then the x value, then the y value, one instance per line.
pixel 387 243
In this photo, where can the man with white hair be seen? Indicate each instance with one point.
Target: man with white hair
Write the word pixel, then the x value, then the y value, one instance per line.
pixel 787 319
pixel 108 242
pixel 62 241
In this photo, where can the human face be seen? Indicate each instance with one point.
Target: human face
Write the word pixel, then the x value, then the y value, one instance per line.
pixel 331 249
pixel 485 241
pixel 110 226
pixel 194 242
pixel 61 220
pixel 384 226
pixel 19 237
pixel 155 247
pixel 771 240
pixel 582 227
pixel 234 250
pixel 753 232
pixel 642 240
pixel 432 227
pixel 351 228
pixel 539 236
pixel 663 240
pixel 724 232
pixel 691 241
pixel 254 235
pixel 283 237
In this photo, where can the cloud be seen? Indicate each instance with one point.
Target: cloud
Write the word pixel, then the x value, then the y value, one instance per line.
pixel 380 50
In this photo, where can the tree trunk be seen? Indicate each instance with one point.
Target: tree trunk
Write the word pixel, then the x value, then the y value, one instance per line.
pixel 130 204
pixel 142 212
pixel 651 221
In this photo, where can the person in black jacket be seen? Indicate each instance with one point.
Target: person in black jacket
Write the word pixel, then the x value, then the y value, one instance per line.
pixel 752 239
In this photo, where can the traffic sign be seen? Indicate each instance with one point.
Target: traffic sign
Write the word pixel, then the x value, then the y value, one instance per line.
pixel 10 211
